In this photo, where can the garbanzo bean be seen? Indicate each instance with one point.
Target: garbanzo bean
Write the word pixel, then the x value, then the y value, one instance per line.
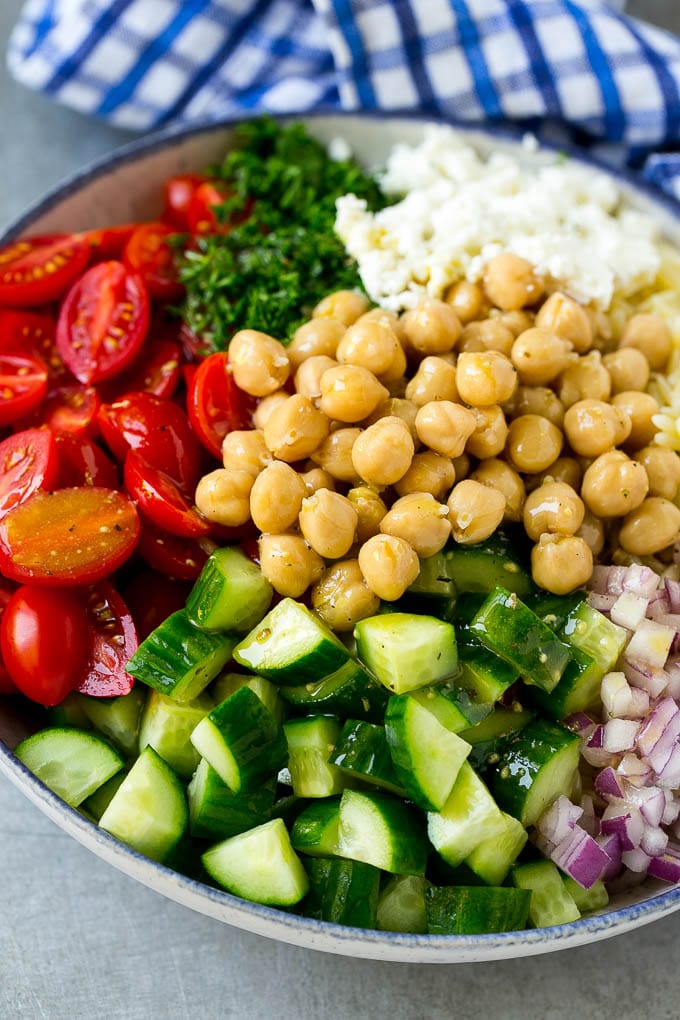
pixel 649 334
pixel 640 407
pixel 329 523
pixel 370 343
pixel 308 376
pixel 350 393
pixel 266 406
pixel 490 433
pixel 382 454
pixel 420 520
pixel 276 498
pixel 565 317
pixel 486 335
pixel 592 532
pixel 554 508
pixel 663 470
pixel 565 469
pixel 224 496
pixel 628 369
pixel 316 478
pixel 561 563
pixel 510 282
pixel 445 427
pixel 289 564
pixel 484 378
pixel 258 363
pixel 540 356
pixel 346 305
pixel 245 450
pixel 591 427
pixel 335 455
pixel 295 429
pixel 370 511
pixel 431 328
pixel 614 484
pixel 396 407
pixel 585 379
pixel 462 466
pixel 434 380
pixel 534 443
pixel 341 597
pixel 498 474
pixel 429 472
pixel 475 511
pixel 516 322
pixel 313 339
pixel 467 300
pixel 396 371
pixel 389 566
pixel 538 400
pixel 652 527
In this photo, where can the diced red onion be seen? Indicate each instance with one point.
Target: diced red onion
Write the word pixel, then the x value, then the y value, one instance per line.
pixel 636 860
pixel 672 590
pixel 669 776
pixel 603 603
pixel 579 723
pixel 672 809
pixel 593 751
pixel 580 857
pixel 589 820
pixel 557 823
pixel 650 644
pixel 650 800
pixel 667 866
pixel 620 735
pixel 654 841
pixel 609 842
pixel 609 784
pixel 659 733
pixel 672 670
pixel 629 610
pixel 659 603
pixel 607 580
pixel 640 580
pixel 647 679
pixel 625 821
pixel 634 769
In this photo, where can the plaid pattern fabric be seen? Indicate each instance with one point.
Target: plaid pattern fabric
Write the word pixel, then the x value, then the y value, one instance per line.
pixel 579 64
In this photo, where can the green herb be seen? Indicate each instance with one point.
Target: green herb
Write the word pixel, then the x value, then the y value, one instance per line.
pixel 281 255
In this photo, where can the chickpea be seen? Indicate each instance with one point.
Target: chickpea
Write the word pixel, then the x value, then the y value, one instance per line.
pixel 614 485
pixel 565 469
pixel 223 497
pixel 466 299
pixel 341 597
pixel 245 450
pixel 389 566
pixel 308 375
pixel 591 426
pixel 663 470
pixel 393 376
pixel 350 393
pixel 516 322
pixel 485 378
pixel 462 465
pixel 649 334
pixel 289 564
pixel 434 380
pixel 445 427
pixel 586 379
pixel 539 400
pixel 429 472
pixel 553 508
pixel 510 282
pixel 345 305
pixel 335 455
pixel 295 429
pixel 266 406
pixel 316 478
pixel 628 369
pixel 316 338
pixel 568 319
pixel 328 521
pixel 371 343
pixel 491 432
pixel 390 319
pixel 475 511
pixel 486 335
pixel 640 408
pixel 382 454
pixel 561 563
pixel 420 520
pixel 534 443
pixel 370 511
pixel 540 356
pixel 396 407
pixel 258 363
pixel 652 527
pixel 499 475
pixel 431 328
pixel 592 532
pixel 276 498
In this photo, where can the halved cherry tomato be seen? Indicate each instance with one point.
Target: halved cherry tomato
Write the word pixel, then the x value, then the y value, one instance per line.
pixel 34 332
pixel 23 385
pixel 82 462
pixel 215 403
pixel 158 430
pixel 152 597
pixel 103 322
pixel 201 215
pixel 109 242
pixel 179 558
pixel 112 641
pixel 158 370
pixel 70 409
pixel 68 537
pixel 160 500
pixel 149 254
pixel 35 270
pixel 44 640
pixel 178 192
pixel 7 685
pixel 29 461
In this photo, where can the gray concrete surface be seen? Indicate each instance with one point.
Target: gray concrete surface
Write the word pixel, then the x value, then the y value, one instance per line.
pixel 79 941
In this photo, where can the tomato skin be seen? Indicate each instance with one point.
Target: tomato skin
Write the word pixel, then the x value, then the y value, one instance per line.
pixel 109 242
pixel 215 404
pixel 112 640
pixel 160 501
pixel 103 322
pixel 178 193
pixel 201 215
pixel 158 370
pixel 23 385
pixel 82 462
pixel 44 641
pixel 35 333
pixel 29 461
pixel 179 558
pixel 149 254
pixel 69 409
pixel 7 686
pixel 35 270
pixel 152 597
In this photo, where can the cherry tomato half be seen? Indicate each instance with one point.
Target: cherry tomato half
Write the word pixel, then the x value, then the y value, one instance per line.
pixel 215 404
pixel 29 461
pixel 112 641
pixel 82 462
pixel 109 242
pixel 152 597
pixel 68 537
pixel 69 409
pixel 179 558
pixel 103 322
pixel 177 193
pixel 201 215
pixel 160 500
pixel 7 685
pixel 149 254
pixel 35 333
pixel 44 641
pixel 158 369
pixel 23 385
pixel 35 270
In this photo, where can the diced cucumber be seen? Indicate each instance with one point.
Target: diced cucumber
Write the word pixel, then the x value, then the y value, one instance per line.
pixel 550 902
pixel 69 712
pixel 343 892
pixel 405 651
pixel 97 803
pixel 587 899
pixel 595 635
pixel 475 910
pixel 242 741
pixel 382 831
pixel 507 627
pixel 450 705
pixel 291 646
pixel 180 660
pixel 167 726
pixel 488 565
pixel 288 807
pixel 577 691
pixel 231 593
pixel 537 766
pixel 259 865
pixel 435 579
pixel 427 755
pixel 362 751
pixel 483 674
pixel 229 683
pixel 215 812
pixel 489 737
pixel 492 859
pixel 469 817
pixel 401 906
pixel 350 691
pixel 149 809
pixel 468 705
pixel 73 763
pixel 315 830
pixel 117 718
pixel 310 744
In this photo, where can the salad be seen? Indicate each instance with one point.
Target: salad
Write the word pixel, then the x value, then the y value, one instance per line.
pixel 338 533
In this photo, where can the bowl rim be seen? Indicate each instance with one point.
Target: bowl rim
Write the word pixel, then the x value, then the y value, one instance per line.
pixel 270 921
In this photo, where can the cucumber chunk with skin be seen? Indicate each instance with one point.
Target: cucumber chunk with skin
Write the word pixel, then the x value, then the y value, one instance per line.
pixel 231 593
pixel 259 865
pixel 97 803
pixel 167 726
pixel 310 744
pixel 215 812
pixel 72 763
pixel 228 683
pixel 587 899
pixel 343 892
pixel 550 901
pixel 405 651
pixel 475 910
pixel 351 691
pixel 362 751
pixel 489 737
pixel 483 674
pixel 469 816
pixel 383 831
pixel 488 565
pixel 118 719
pixel 492 859
pixel 315 830
pixel 401 906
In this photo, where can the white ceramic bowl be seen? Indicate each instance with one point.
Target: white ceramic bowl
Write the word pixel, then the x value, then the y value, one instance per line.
pixel 127 187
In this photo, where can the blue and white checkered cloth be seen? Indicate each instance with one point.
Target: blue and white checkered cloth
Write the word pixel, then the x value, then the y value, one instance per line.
pixel 582 64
